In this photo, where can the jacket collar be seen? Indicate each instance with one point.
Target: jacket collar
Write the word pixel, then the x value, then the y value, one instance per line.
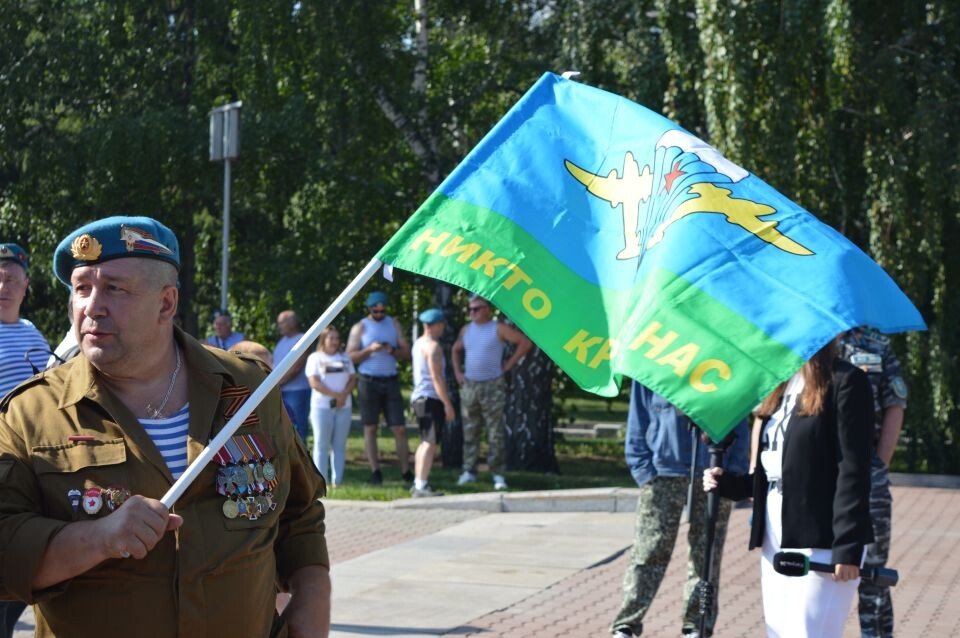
pixel 82 380
pixel 206 376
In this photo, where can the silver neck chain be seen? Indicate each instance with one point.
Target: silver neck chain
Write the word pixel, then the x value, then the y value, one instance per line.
pixel 157 413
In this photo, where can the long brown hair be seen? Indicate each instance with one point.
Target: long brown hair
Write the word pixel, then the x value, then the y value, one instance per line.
pixel 816 381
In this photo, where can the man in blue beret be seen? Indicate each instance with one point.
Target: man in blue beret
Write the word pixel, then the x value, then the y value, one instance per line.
pixel 375 345
pixel 23 350
pixel 88 448
pixel 430 398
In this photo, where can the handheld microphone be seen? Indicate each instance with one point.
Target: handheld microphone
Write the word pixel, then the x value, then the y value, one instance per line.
pixel 797 564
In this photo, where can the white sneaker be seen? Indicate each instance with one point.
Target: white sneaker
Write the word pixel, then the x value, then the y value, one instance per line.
pixel 499 483
pixel 466 477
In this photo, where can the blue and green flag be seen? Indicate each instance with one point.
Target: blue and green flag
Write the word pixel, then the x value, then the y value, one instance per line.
pixel 623 245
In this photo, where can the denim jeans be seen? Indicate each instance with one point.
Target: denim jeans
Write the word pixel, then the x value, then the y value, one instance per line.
pixel 297 403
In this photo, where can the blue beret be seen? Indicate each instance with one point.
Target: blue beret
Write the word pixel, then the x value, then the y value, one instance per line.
pixel 431 316
pixel 376 298
pixel 13 252
pixel 113 238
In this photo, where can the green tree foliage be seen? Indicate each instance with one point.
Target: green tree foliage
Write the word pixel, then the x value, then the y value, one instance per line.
pixel 353 111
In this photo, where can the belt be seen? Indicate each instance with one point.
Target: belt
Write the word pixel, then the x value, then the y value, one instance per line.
pixel 776 485
pixel 370 377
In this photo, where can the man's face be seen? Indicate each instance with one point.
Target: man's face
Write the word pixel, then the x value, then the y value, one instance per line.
pixel 378 312
pixel 435 330
pixel 287 324
pixel 480 311
pixel 13 288
pixel 223 326
pixel 118 308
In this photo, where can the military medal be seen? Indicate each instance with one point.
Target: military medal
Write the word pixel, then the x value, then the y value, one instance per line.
pixel 92 501
pixel 253 510
pixel 246 476
pixel 116 496
pixel 260 470
pixel 267 451
pixel 230 508
pixel 269 472
pixel 253 468
pixel 238 472
pixel 225 483
pixel 74 497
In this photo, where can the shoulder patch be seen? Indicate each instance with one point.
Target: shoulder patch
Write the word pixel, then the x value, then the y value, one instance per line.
pixel 899 387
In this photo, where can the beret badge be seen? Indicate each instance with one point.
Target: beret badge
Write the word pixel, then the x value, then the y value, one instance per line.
pixel 86 248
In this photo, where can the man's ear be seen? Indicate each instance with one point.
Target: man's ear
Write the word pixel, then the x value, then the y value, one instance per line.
pixel 169 300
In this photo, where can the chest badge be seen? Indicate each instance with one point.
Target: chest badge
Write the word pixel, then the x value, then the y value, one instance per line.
pixel 74 497
pixel 92 501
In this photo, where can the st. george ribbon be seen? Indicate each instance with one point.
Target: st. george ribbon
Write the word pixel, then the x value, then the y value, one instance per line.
pixel 218 441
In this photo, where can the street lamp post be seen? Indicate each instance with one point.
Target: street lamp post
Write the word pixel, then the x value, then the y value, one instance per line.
pixel 224 147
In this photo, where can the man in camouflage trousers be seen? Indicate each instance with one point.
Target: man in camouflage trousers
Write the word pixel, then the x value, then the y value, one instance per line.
pixel 479 366
pixel 871 352
pixel 658 450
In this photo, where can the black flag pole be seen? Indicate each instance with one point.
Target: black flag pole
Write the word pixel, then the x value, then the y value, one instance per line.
pixel 707 593
pixel 694 454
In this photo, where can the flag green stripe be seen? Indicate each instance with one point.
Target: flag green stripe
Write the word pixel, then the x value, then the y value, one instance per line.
pixel 651 332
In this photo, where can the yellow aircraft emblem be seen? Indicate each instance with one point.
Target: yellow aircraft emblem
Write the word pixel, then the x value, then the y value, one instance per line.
pixel 635 187
pixel 631 190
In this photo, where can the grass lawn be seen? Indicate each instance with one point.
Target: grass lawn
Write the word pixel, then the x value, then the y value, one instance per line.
pixel 585 408
pixel 586 463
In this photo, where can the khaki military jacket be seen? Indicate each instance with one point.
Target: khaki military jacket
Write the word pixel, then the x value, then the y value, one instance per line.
pixel 63 430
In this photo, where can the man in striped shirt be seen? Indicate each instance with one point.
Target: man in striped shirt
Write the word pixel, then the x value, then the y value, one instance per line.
pixel 21 344
pixel 22 349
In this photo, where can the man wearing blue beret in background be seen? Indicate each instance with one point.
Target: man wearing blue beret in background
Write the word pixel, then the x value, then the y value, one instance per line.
pixel 88 448
pixel 430 398
pixel 23 350
pixel 375 345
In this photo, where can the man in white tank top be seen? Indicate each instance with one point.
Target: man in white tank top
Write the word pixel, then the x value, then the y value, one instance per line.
pixel 479 366
pixel 430 399
pixel 375 344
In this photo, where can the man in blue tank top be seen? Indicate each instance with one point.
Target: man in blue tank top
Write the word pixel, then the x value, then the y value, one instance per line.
pixel 479 366
pixel 375 345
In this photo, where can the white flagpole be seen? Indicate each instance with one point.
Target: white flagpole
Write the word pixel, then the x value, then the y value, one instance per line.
pixel 192 472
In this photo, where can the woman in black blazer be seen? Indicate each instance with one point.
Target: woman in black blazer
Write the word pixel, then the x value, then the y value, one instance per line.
pixel 811 493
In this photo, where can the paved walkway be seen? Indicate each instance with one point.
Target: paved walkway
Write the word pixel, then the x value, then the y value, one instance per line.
pixel 501 562
pixel 409 572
